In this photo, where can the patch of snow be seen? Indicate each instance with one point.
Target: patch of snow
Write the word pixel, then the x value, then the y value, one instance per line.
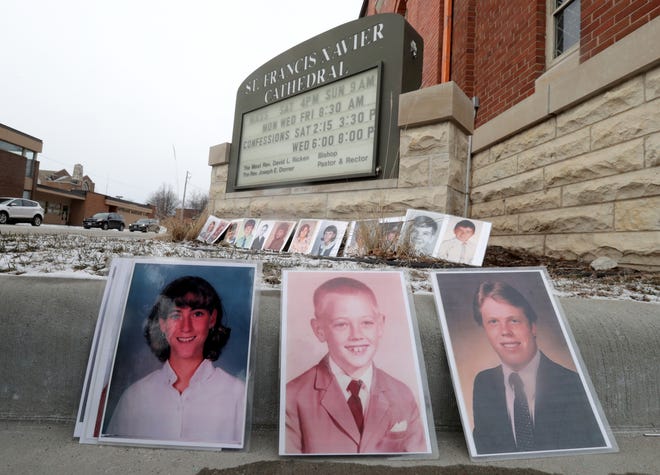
pixel 89 257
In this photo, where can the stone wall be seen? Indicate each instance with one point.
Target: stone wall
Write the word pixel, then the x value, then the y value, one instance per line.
pixel 582 183
pixel 432 167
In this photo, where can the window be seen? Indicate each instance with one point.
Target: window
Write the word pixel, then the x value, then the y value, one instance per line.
pixel 565 26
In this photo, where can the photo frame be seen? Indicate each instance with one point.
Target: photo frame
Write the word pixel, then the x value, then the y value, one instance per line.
pixel 189 311
pixel 505 332
pixel 342 325
pixel 422 230
pixel 328 238
pixel 463 241
pixel 303 237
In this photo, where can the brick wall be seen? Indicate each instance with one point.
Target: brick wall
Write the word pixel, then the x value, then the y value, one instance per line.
pixel 498 48
pixel 427 18
pixel 605 22
pixel 509 53
pixel 462 58
pixel 12 178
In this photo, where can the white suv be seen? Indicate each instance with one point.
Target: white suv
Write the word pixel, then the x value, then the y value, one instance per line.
pixel 14 210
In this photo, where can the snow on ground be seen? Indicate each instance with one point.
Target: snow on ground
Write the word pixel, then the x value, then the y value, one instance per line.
pixel 89 257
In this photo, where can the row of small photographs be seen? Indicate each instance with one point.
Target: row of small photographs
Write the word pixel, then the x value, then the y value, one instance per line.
pixel 172 356
pixel 451 238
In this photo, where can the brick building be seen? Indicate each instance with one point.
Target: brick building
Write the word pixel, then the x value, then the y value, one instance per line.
pixel 67 198
pixel 562 155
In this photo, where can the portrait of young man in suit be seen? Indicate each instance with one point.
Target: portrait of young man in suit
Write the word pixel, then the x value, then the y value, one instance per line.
pixel 529 402
pixel 516 377
pixel 344 403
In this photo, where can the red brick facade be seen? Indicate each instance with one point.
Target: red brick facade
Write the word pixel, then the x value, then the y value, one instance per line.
pixel 498 48
pixel 605 22
pixel 12 178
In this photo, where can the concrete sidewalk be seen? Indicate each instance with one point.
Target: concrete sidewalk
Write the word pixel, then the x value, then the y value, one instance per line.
pixel 38 448
pixel 46 343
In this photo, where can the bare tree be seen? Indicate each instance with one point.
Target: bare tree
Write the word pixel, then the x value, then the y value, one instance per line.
pixel 164 200
pixel 198 201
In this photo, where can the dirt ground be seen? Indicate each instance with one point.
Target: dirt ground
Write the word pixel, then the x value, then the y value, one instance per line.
pixel 330 468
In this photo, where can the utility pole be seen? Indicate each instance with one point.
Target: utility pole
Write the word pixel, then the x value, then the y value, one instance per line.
pixel 183 201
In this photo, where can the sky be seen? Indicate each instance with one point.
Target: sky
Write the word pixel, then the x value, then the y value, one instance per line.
pixel 138 90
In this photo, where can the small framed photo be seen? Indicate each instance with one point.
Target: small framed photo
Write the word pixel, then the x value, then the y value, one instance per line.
pixel 422 230
pixel 172 364
pixel 520 383
pixel 279 235
pixel 303 238
pixel 328 238
pixel 352 379
pixel 220 227
pixel 463 241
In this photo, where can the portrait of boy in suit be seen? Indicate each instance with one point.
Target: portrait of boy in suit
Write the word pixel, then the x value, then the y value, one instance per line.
pixel 517 379
pixel 344 403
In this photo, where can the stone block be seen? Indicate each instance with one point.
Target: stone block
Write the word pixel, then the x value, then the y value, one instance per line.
pixel 525 140
pixel 231 207
pixel 625 157
pixel 512 186
pixel 440 173
pixel 652 84
pixel 536 201
pixel 504 224
pixel 637 122
pixel 488 209
pixel 496 171
pixel 455 203
pixel 416 171
pixel 616 100
pixel 289 207
pixel 561 148
pixel 579 219
pixel 637 184
pixel 376 203
pixel 424 140
pixel 652 150
pixel 440 103
pixel 456 175
pixel 219 154
pixel 482 159
pixel 525 242
pixel 638 215
pixel 639 248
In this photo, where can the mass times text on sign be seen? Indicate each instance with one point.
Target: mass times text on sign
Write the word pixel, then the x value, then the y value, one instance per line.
pixel 326 110
pixel 326 132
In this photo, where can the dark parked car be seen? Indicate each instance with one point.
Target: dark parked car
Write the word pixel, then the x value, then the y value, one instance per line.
pixel 15 210
pixel 105 221
pixel 145 225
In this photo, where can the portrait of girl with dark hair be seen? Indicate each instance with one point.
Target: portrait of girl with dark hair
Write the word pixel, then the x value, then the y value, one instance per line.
pixel 187 398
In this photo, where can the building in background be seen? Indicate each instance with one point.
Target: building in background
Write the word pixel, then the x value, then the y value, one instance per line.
pixel 67 198
pixel 563 156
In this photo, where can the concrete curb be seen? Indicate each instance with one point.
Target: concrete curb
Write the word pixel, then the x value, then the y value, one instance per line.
pixel 48 324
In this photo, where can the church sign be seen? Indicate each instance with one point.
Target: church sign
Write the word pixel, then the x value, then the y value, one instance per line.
pixel 327 109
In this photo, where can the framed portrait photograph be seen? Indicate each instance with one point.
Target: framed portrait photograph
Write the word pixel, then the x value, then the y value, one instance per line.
pixel 463 241
pixel 352 375
pixel 279 235
pixel 520 383
pixel 328 238
pixel 220 228
pixel 303 237
pixel 422 230
pixel 173 363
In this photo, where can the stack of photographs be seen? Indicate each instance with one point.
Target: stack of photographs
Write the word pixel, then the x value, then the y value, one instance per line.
pixel 170 364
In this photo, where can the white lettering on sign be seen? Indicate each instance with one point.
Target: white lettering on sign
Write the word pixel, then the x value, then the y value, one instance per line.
pixel 323 133
pixel 313 69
